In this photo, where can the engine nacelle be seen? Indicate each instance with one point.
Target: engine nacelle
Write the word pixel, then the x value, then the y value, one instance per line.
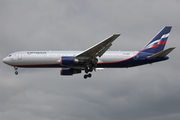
pixel 67 60
pixel 69 71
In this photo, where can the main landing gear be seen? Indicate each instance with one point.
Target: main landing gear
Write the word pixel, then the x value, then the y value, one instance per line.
pixel 15 68
pixel 87 70
pixel 87 75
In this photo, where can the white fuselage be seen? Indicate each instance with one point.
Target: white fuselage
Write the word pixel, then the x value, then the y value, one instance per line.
pixel 28 58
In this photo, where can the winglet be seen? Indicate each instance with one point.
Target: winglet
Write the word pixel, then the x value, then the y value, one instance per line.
pixel 162 53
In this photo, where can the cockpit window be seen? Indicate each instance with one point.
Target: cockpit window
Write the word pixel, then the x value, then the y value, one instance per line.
pixel 9 55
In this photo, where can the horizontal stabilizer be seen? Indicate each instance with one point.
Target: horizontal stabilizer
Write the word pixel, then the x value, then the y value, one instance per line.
pixel 162 53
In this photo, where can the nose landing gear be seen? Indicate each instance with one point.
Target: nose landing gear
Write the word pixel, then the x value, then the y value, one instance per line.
pixel 16 72
pixel 15 68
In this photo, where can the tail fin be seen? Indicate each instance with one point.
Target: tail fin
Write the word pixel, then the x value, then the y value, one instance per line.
pixel 157 44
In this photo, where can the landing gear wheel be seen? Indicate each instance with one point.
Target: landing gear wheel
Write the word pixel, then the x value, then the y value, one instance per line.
pixel 85 76
pixel 16 72
pixel 89 75
pixel 15 68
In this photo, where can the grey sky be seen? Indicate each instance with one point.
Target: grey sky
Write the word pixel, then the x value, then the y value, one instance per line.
pixel 149 92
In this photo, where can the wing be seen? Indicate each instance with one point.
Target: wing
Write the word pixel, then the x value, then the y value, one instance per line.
pixel 98 49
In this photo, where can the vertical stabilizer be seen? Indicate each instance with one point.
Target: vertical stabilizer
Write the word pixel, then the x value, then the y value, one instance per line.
pixel 157 44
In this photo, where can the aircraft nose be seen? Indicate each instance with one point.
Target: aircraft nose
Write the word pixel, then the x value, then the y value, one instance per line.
pixel 5 60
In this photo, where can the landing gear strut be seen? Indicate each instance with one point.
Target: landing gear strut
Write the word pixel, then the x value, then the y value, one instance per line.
pixel 15 68
pixel 90 66
pixel 88 70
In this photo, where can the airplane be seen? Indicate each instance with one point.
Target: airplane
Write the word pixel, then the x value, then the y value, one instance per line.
pixel 94 58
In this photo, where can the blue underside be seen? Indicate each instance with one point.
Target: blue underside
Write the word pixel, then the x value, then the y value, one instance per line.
pixel 135 61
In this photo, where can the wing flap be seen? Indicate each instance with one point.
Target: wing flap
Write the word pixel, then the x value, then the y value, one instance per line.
pixel 103 50
pixel 162 53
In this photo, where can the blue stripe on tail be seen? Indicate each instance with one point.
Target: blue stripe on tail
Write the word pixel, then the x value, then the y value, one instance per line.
pixel 157 44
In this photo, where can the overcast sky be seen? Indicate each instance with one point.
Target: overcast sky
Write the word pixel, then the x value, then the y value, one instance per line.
pixel 149 92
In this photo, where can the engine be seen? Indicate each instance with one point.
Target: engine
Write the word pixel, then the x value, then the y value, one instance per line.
pixel 66 60
pixel 69 71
